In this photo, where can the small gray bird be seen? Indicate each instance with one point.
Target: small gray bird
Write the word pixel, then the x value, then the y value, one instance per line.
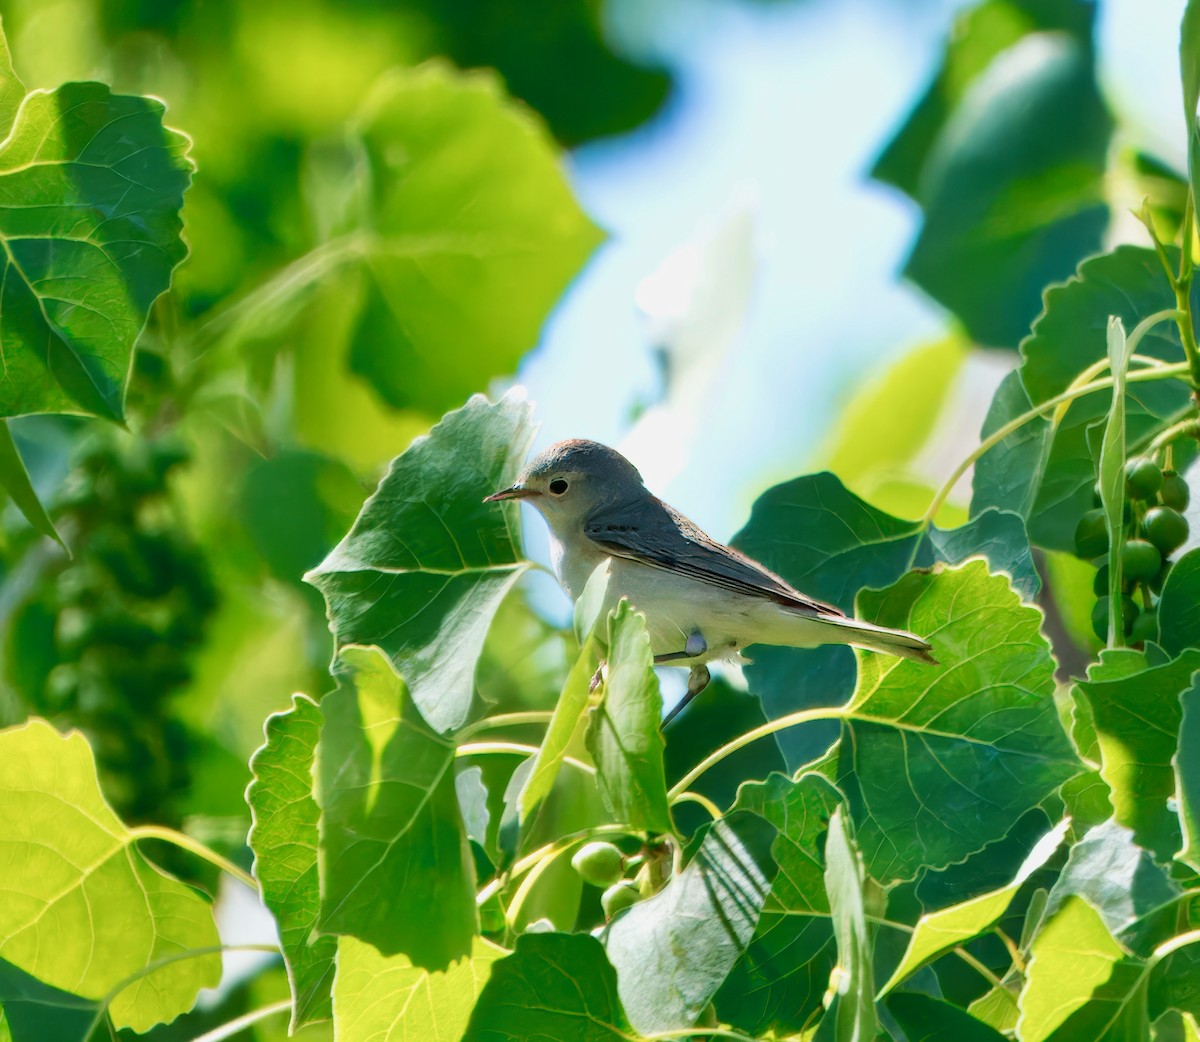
pixel 702 600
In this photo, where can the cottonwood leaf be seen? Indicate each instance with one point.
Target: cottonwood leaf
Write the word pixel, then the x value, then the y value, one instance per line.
pixel 1175 982
pixel 382 999
pixel 35 1012
pixel 427 562
pixel 1187 774
pixel 673 951
pixel 781 980
pixel 72 871
pixel 1007 476
pixel 1081 983
pixel 624 735
pixel 939 931
pixel 830 543
pixel 1136 712
pixel 926 1019
pixel 938 761
pixel 395 865
pixel 553 986
pixel 91 185
pixel 283 837
pixel 1179 607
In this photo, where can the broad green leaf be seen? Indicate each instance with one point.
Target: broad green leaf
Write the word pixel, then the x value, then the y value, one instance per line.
pixel 15 480
pixel 939 931
pixel 91 184
pixel 781 980
pixel 1007 476
pixel 673 951
pixel 72 872
pixel 36 1012
pixel 1186 762
pixel 427 562
pixel 395 866
pixel 1112 475
pixel 283 837
pixel 1081 984
pixel 1069 336
pixel 1121 882
pixel 5 1033
pixel 1179 608
pixel 926 1019
pixel 852 1013
pixel 472 793
pixel 975 741
pixel 829 543
pixel 554 986
pixel 381 999
pixel 998 1008
pixel 12 90
pixel 1137 716
pixel 624 735
pixel 1175 982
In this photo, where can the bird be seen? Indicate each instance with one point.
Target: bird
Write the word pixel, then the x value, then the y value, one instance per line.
pixel 703 601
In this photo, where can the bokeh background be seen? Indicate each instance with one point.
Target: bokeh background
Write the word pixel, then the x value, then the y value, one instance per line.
pixel 735 326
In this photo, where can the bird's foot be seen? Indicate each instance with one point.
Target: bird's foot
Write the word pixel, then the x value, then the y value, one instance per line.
pixel 698 680
pixel 694 647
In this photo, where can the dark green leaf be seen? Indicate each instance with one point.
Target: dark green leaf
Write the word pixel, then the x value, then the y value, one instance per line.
pixel 1179 609
pixel 36 1012
pixel 1008 476
pixel 91 184
pixel 623 733
pixel 781 980
pixel 1175 982
pixel 395 866
pixel 1187 775
pixel 15 480
pixel 1137 714
pixel 673 950
pixel 938 761
pixel 554 986
pixel 427 562
pixel 284 840
pixel 926 1019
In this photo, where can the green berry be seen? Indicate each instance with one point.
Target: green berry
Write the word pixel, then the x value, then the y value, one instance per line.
pixel 1091 535
pixel 1129 612
pixel 1166 528
pixel 618 897
pixel 1143 477
pixel 1100 582
pixel 1174 492
pixel 1140 560
pixel 1145 627
pixel 600 864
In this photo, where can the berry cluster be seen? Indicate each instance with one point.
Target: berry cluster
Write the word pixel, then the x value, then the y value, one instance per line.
pixel 1154 528
pixel 604 865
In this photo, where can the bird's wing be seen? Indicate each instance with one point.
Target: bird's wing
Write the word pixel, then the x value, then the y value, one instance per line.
pixel 655 534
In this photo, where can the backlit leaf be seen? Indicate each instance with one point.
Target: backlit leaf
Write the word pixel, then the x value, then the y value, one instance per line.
pixel 1187 774
pixel 1179 608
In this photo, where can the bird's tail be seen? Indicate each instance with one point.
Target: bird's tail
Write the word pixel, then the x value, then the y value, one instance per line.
pixel 879 638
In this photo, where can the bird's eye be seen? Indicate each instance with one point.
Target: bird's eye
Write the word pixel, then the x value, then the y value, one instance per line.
pixel 558 487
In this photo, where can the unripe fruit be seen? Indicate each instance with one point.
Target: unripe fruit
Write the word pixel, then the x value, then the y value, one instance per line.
pixel 599 863
pixel 1166 528
pixel 1174 492
pixel 1143 477
pixel 1091 535
pixel 1100 616
pixel 1100 582
pixel 1140 560
pixel 1145 627
pixel 618 897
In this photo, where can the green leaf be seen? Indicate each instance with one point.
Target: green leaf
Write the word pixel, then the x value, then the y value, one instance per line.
pixel 1189 65
pixel 926 1019
pixel 554 986
pixel 91 185
pixel 1007 476
pixel 1112 475
pixel 72 872
pixel 1070 336
pixel 780 981
pixel 35 1012
pixel 1186 762
pixel 975 741
pixel 1137 714
pixel 624 735
pixel 395 865
pixel 1175 982
pixel 937 932
pixel 283 837
pixel 829 543
pixel 1080 983
pixel 673 951
pixel 15 480
pixel 852 1013
pixel 427 562
pixel 12 90
pixel 381 999
pixel 1179 608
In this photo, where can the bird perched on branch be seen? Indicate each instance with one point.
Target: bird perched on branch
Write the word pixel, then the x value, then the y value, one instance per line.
pixel 702 600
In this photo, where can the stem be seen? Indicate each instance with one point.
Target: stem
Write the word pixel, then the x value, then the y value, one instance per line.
pixel 513 911
pixel 1182 285
pixel 1174 944
pixel 804 716
pixel 194 846
pixel 994 439
pixel 711 1032
pixel 514 749
pixel 232 1027
pixel 1100 365
pixel 714 811
pixel 977 966
pixel 488 723
pixel 1014 952
pixel 1185 428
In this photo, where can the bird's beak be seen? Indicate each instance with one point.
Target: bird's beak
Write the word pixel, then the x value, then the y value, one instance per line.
pixel 517 491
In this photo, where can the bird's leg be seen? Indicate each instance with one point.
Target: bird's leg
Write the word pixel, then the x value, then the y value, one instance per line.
pixel 597 677
pixel 694 647
pixel 698 680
